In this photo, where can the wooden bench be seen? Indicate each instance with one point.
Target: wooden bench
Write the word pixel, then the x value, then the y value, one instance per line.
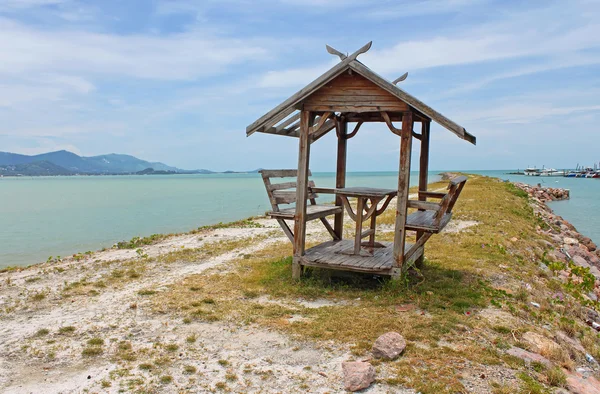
pixel 433 217
pixel 285 193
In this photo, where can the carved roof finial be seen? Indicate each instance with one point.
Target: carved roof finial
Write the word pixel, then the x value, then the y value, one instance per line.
pixel 400 78
pixel 343 57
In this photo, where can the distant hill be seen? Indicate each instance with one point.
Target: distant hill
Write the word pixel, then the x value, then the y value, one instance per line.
pixel 38 168
pixel 72 163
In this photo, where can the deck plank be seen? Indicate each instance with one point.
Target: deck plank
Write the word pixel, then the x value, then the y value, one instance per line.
pixel 333 254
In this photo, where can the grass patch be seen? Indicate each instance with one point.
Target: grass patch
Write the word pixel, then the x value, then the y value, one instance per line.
pixel 66 330
pixel 137 242
pixel 41 332
pixel 92 351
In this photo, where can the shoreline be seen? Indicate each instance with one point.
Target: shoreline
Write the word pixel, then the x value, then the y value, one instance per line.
pixel 181 313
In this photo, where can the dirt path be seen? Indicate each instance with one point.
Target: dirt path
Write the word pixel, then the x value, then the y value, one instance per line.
pixel 43 339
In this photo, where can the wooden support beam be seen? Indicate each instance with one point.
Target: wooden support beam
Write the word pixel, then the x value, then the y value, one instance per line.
pixel 340 173
pixel 423 176
pixel 403 186
pixel 306 119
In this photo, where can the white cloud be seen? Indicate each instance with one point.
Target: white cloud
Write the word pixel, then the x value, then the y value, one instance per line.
pixel 180 56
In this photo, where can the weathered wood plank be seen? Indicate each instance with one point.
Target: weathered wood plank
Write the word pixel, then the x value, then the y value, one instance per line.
pixel 403 186
pixel 424 205
pixel 306 119
pixel 340 173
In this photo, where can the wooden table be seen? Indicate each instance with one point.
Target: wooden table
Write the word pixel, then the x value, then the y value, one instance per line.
pixel 367 200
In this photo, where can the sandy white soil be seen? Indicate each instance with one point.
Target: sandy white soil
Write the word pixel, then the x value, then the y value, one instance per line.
pixel 246 359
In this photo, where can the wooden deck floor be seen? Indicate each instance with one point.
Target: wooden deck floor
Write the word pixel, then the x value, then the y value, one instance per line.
pixel 336 255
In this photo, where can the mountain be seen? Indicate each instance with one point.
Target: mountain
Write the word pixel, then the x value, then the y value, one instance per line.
pixel 38 168
pixel 72 163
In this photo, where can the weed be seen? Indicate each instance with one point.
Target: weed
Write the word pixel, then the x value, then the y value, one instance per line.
pixel 166 379
pixel 556 377
pixel 191 339
pixel 66 330
pixel 92 351
pixel 189 369
pixel 41 332
pixel 96 341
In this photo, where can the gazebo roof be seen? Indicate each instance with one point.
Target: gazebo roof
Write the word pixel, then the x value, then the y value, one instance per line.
pixel 284 119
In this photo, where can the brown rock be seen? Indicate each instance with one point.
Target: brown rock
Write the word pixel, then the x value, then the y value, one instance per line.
pixel 358 375
pixel 580 384
pixel 389 346
pixel 589 244
pixel 540 344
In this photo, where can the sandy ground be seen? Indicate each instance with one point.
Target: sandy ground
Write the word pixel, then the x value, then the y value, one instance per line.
pixel 240 359
pixel 37 356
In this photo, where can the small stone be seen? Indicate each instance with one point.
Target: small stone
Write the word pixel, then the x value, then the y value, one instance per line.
pixel 357 375
pixel 389 346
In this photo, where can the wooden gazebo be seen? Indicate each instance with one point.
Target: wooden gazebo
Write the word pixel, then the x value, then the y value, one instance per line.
pixel 350 92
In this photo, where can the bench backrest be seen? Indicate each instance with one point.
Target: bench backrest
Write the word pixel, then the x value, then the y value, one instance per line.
pixel 455 187
pixel 284 192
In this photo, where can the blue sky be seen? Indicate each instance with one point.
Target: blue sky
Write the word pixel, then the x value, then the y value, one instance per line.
pixel 179 81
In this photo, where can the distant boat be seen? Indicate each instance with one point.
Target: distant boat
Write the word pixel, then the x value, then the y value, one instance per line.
pixel 532 171
pixel 551 172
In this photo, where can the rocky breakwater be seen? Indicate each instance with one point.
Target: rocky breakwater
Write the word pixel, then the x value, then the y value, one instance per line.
pixel 545 194
pixel 567 246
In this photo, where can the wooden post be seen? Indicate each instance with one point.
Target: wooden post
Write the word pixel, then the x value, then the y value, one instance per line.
pixel 403 186
pixel 301 193
pixel 423 173
pixel 340 174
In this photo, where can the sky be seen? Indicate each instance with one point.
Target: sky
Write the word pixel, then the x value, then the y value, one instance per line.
pixel 178 81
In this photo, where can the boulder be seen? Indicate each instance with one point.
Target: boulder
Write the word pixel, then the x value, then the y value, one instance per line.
pixel 358 375
pixel 570 241
pixel 540 344
pixel 580 261
pixel 528 357
pixel 580 384
pixel 389 346
pixel 588 243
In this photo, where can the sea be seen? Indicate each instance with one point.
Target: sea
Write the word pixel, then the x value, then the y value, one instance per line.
pixel 42 217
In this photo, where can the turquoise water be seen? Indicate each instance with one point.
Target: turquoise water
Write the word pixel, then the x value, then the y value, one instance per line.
pixel 582 210
pixel 50 216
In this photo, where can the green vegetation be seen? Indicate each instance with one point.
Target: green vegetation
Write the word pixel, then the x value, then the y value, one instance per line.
pixel 137 242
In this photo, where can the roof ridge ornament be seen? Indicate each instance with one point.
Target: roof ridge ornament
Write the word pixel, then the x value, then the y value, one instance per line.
pixel 353 56
pixel 400 78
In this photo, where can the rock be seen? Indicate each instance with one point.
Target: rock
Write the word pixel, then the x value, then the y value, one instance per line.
pixel 570 241
pixel 588 243
pixel 579 384
pixel 528 356
pixel 389 346
pixel 580 261
pixel 563 338
pixel 539 343
pixel 358 375
pixel 555 255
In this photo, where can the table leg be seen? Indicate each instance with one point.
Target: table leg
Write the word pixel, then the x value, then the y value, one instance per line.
pixel 373 218
pixel 359 219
